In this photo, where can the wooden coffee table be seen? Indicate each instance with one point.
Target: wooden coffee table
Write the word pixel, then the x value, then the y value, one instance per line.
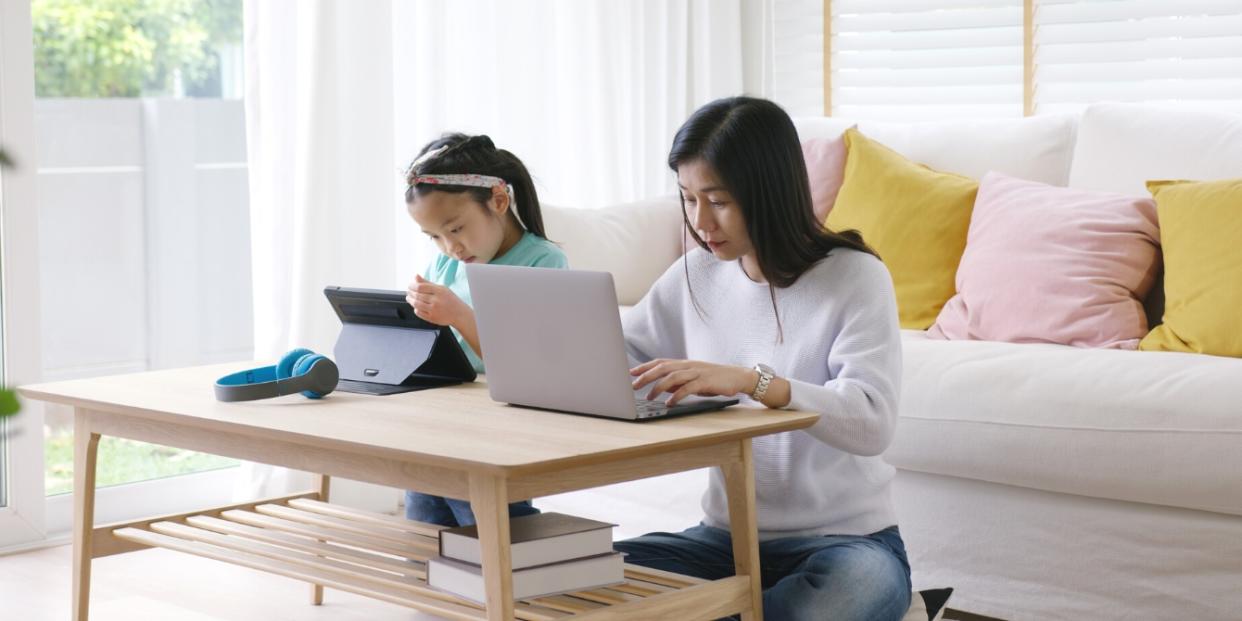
pixel 451 442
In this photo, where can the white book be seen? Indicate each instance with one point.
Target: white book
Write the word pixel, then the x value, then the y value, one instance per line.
pixel 538 539
pixel 466 580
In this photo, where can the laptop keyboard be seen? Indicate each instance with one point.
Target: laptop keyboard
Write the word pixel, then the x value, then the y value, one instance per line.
pixel 648 408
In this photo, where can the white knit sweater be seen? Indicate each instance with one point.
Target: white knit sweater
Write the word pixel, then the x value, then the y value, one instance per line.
pixel 841 352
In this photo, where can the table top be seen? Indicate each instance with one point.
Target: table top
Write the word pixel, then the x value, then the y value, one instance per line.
pixel 458 427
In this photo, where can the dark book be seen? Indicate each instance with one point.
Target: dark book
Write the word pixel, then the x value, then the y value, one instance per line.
pixel 538 539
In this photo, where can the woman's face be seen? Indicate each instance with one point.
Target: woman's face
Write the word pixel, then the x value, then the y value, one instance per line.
pixel 711 210
pixel 461 227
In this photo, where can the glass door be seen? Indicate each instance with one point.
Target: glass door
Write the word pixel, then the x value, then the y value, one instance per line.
pixel 21 450
pixel 143 222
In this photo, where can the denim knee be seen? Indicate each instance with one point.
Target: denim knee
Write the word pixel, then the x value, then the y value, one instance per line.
pixel 867 583
pixel 429 509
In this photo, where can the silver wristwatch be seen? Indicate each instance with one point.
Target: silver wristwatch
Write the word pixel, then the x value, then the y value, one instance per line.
pixel 766 373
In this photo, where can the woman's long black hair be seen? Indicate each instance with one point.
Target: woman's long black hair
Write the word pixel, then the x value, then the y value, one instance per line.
pixel 477 155
pixel 753 147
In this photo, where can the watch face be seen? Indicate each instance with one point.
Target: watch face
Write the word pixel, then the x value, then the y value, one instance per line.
pixel 763 368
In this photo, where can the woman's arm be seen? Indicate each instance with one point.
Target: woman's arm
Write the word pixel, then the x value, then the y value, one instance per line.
pixel 683 378
pixel 653 327
pixel 858 405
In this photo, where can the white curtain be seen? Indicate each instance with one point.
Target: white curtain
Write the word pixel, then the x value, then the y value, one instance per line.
pixel 324 204
pixel 340 96
pixel 588 93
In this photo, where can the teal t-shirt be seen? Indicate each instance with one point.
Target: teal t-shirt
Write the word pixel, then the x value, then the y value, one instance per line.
pixel 530 251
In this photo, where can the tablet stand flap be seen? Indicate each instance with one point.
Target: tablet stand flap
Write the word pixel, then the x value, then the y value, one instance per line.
pixel 381 354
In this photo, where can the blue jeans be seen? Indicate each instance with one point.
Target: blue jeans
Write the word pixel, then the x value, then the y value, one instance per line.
pixel 450 511
pixel 838 577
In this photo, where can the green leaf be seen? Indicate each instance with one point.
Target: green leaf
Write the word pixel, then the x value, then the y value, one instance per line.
pixel 8 403
pixel 5 160
pixel 131 48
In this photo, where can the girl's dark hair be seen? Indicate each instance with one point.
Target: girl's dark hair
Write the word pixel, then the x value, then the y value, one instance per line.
pixel 477 155
pixel 752 146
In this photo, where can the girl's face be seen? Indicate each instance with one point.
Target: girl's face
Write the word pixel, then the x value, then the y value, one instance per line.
pixel 713 213
pixel 461 227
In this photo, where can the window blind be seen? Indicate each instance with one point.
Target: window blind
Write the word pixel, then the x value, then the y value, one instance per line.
pixel 797 56
pixel 1187 53
pixel 926 59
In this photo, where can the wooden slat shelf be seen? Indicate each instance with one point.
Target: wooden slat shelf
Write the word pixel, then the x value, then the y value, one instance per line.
pixel 371 554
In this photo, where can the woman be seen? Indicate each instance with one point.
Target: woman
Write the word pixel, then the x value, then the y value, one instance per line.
pixel 779 310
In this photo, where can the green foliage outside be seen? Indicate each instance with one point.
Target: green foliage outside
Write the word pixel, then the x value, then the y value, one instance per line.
pixel 131 48
pixel 122 461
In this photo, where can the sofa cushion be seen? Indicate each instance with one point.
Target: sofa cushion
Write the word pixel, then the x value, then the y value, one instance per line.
pixel 1037 148
pixel 1121 146
pixel 1201 224
pixel 636 242
pixel 1045 264
pixel 825 169
pixel 1155 427
pixel 914 217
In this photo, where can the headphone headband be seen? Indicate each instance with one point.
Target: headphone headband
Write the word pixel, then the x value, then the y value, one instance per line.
pixel 266 382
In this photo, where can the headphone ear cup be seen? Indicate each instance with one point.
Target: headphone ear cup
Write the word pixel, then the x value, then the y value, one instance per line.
pixel 288 362
pixel 303 366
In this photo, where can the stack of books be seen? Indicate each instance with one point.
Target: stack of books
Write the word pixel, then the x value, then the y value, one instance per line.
pixel 551 553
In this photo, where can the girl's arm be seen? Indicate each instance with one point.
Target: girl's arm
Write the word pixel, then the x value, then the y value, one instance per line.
pixel 439 305
pixel 469 330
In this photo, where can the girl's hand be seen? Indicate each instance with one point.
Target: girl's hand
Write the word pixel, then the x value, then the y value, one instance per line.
pixel 683 378
pixel 436 303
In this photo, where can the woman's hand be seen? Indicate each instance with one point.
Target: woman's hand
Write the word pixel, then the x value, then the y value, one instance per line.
pixel 436 303
pixel 683 378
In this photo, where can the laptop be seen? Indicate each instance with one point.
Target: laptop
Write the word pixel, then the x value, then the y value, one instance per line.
pixel 552 340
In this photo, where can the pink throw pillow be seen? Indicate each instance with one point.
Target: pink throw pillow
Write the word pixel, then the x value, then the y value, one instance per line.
pixel 1047 264
pixel 825 166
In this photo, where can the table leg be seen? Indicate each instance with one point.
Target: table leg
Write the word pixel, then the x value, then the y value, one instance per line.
pixel 739 479
pixel 489 499
pixel 324 483
pixel 85 450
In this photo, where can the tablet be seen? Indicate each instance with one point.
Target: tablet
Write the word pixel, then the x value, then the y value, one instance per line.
pixel 384 348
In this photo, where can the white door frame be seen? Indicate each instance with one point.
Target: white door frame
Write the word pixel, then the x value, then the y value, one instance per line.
pixel 22 521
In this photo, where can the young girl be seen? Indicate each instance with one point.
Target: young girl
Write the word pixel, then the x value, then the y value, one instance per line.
pixel 777 309
pixel 478 204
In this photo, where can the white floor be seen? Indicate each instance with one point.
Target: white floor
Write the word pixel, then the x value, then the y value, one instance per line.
pixel 161 584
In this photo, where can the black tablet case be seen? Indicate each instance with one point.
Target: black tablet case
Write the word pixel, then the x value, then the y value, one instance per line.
pixel 384 348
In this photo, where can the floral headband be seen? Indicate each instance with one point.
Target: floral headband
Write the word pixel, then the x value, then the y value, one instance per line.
pixel 469 180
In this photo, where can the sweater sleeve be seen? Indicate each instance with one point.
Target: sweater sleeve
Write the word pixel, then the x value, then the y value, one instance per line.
pixel 858 404
pixel 654 328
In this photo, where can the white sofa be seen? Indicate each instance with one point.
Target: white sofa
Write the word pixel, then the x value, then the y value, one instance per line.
pixel 1041 481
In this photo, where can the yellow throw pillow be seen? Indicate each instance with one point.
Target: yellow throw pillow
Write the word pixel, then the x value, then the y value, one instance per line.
pixel 916 218
pixel 1200 230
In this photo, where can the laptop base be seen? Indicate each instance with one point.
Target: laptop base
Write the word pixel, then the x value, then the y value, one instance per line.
pixel 706 405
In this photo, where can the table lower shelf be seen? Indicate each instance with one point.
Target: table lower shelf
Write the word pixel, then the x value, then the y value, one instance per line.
pixel 383 557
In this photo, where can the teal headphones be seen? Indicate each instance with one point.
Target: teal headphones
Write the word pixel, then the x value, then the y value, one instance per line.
pixel 300 370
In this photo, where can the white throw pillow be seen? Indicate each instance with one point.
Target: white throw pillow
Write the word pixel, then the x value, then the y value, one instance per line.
pixel 1037 148
pixel 1121 146
pixel 636 242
